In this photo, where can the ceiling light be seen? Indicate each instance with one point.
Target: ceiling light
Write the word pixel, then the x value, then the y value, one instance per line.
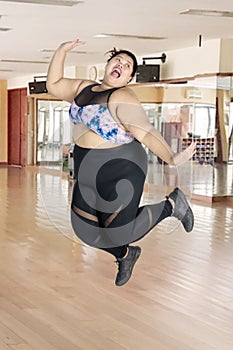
pixel 23 61
pixel 47 2
pixel 201 12
pixel 126 36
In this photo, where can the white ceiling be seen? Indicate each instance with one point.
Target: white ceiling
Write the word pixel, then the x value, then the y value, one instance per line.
pixel 36 27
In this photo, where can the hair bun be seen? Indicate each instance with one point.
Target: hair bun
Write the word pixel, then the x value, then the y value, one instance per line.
pixel 112 52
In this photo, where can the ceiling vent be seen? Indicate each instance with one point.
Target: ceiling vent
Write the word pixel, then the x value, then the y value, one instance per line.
pixel 3 29
pixel 47 2
pixel 203 12
pixel 22 61
pixel 72 52
pixel 128 36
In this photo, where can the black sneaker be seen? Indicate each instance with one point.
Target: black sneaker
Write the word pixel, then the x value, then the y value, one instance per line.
pixel 182 210
pixel 125 265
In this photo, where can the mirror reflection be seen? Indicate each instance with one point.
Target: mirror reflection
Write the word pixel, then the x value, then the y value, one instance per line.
pixel 54 135
pixel 200 109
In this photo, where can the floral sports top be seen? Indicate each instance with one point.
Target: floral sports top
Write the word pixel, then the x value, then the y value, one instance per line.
pixel 91 109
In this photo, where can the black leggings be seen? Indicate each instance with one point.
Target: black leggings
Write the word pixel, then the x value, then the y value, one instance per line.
pixel 105 210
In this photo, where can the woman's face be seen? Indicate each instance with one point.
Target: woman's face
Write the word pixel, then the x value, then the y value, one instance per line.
pixel 119 70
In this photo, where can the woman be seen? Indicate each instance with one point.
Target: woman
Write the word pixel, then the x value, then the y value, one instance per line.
pixel 110 164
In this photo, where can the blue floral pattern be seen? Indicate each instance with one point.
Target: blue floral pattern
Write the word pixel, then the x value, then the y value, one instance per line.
pixel 99 119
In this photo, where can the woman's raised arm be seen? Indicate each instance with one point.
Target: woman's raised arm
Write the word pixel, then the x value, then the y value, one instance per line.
pixel 57 85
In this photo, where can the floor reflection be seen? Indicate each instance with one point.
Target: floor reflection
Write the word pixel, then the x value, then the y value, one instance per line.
pixel 223 180
pixel 33 190
pixel 41 196
pixel 196 179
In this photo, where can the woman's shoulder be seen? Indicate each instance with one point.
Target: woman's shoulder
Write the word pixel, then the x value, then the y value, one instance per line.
pixel 83 85
pixel 125 94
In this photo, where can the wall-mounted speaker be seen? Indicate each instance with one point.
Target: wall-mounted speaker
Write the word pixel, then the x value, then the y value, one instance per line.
pixel 37 87
pixel 147 73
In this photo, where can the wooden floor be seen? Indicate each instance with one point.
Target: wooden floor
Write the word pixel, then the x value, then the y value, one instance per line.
pixel 58 294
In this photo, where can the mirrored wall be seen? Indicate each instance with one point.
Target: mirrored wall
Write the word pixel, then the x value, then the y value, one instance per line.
pixel 54 134
pixel 199 110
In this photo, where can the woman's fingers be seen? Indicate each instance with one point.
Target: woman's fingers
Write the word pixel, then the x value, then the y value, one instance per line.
pixel 78 42
pixel 191 149
pixel 184 156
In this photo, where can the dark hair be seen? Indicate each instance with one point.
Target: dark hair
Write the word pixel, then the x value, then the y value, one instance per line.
pixel 115 52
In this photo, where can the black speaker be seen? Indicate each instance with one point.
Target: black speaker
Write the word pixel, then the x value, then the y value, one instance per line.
pixel 147 73
pixel 37 87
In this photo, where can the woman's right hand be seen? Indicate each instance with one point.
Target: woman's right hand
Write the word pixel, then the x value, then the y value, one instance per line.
pixel 70 45
pixel 57 85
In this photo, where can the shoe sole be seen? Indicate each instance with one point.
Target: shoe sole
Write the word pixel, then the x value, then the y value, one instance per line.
pixel 137 255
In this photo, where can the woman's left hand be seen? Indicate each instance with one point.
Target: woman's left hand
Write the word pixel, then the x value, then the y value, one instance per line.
pixel 183 157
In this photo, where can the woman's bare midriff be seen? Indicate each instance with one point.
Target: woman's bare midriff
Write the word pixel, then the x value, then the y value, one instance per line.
pixel 86 138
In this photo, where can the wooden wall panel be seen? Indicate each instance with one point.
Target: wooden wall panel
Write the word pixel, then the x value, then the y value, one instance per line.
pixel 14 127
pixel 23 127
pixel 3 121
pixel 17 126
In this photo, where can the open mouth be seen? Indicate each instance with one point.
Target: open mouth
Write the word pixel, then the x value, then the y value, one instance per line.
pixel 116 73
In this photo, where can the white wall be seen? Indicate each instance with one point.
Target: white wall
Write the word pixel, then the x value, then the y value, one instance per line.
pixel 22 82
pixel 192 61
pixel 213 56
pixel 226 57
pixel 186 62
pixel 82 72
